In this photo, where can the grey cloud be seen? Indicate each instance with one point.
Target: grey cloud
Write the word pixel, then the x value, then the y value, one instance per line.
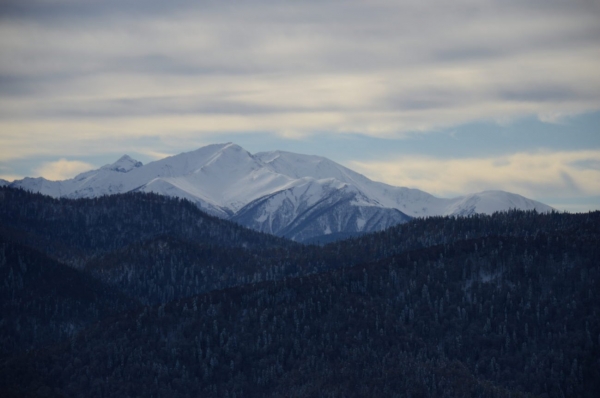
pixel 16 86
pixel 12 85
pixel 467 54
pixel 538 94
pixel 588 164
pixel 466 58
pixel 151 107
pixel 42 10
pixel 570 183
pixel 161 64
pixel 419 101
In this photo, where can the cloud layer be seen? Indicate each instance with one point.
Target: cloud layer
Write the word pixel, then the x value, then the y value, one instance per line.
pixel 63 169
pixel 88 78
pixel 544 174
pixel 88 70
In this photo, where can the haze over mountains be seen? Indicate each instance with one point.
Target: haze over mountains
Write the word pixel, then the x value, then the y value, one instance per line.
pixel 301 197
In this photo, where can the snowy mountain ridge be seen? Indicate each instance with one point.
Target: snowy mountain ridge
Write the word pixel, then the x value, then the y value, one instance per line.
pixel 297 196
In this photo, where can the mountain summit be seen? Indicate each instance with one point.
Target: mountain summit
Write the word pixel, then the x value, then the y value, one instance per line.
pixel 301 197
pixel 123 165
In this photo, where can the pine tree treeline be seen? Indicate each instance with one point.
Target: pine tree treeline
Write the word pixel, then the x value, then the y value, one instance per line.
pixel 75 230
pixel 502 305
pixel 44 301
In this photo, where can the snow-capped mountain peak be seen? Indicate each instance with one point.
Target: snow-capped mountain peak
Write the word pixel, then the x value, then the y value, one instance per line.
pixel 489 202
pixel 297 166
pixel 283 193
pixel 123 165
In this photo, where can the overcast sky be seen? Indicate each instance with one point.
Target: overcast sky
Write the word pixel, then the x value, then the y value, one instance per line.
pixel 451 97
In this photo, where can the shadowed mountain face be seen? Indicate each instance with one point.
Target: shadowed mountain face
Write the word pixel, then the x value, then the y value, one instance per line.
pixel 292 214
pixel 302 197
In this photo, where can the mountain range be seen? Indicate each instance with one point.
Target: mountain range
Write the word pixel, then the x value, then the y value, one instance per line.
pixel 300 197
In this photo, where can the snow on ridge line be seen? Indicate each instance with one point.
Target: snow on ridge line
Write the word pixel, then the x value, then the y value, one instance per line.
pixel 224 178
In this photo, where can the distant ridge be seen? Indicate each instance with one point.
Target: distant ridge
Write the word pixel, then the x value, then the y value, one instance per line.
pixel 301 197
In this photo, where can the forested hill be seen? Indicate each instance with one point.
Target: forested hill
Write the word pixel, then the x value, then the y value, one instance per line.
pixel 486 317
pixel 44 301
pixel 168 302
pixel 75 230
pixel 433 231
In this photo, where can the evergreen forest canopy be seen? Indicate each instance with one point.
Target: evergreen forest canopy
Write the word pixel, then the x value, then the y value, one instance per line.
pixel 144 295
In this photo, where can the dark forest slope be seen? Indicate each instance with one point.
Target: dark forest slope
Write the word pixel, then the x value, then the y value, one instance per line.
pixel 76 230
pixel 483 317
pixel 501 305
pixel 43 301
